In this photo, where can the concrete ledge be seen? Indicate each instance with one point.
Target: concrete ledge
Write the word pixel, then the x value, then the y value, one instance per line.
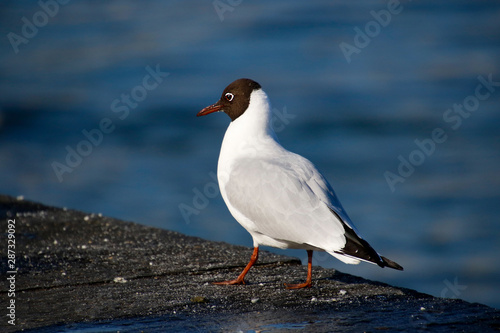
pixel 82 271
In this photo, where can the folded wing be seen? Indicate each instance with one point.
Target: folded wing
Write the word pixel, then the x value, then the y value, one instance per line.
pixel 289 200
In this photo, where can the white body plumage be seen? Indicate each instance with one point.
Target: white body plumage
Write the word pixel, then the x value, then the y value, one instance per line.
pixel 279 197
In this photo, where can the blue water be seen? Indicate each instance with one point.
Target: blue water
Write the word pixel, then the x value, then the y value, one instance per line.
pixel 352 119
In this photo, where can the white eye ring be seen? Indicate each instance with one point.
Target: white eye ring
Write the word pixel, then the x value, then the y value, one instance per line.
pixel 229 96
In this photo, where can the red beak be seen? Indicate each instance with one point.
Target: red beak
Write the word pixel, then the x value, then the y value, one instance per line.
pixel 210 109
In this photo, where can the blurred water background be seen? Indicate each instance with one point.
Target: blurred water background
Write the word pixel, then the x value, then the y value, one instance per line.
pixel 352 116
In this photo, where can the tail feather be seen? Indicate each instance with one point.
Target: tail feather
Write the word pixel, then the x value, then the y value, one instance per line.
pixel 391 264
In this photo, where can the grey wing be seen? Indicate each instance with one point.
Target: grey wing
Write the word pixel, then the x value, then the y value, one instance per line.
pixel 287 199
pixel 355 247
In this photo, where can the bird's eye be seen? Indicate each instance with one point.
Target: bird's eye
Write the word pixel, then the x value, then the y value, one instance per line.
pixel 229 96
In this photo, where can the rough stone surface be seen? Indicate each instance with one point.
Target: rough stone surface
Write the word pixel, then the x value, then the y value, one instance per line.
pixel 79 271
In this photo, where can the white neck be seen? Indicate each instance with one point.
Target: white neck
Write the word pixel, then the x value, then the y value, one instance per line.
pixel 256 120
pixel 250 133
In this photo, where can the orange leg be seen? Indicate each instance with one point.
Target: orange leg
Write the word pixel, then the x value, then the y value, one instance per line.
pixel 241 278
pixel 308 283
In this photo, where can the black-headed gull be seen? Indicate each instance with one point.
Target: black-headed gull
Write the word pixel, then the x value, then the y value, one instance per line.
pixel 279 197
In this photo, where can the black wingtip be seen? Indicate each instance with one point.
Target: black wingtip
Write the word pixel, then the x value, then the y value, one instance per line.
pixel 391 264
pixel 357 247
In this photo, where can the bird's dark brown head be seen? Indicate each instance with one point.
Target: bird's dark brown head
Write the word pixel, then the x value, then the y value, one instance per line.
pixel 234 100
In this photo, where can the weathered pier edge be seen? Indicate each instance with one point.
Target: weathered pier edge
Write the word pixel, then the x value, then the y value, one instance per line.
pixel 77 269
